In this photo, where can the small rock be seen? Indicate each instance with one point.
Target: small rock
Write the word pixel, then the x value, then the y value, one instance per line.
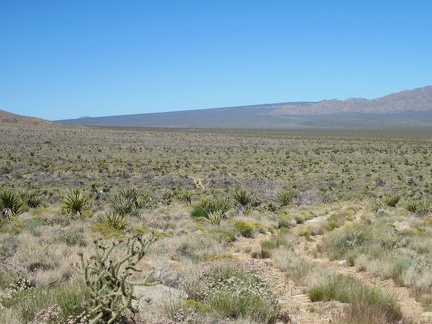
pixel 401 226
pixel 342 262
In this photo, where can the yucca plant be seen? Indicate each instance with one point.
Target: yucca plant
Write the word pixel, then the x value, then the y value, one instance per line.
pixel 31 199
pixel 242 197
pixel 10 204
pixel 285 197
pixel 115 221
pixel 75 202
pixel 392 200
pixel 420 207
pixel 122 205
pixel 215 218
pixel 206 207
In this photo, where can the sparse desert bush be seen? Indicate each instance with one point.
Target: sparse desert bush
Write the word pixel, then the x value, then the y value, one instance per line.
pixel 8 246
pixel 261 254
pixel 348 238
pixel 73 238
pixel 229 290
pixel 198 247
pixel 75 202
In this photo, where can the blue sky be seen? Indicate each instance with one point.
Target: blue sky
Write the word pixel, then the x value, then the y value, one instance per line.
pixel 65 59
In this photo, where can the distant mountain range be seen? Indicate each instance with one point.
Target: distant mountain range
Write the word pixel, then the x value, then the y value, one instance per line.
pixel 406 109
pixel 410 108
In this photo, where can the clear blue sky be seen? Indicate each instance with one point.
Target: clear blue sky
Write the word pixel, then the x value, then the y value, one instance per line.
pixel 65 59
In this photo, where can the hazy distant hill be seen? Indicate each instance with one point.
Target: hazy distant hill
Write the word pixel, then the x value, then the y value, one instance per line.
pixel 7 117
pixel 410 108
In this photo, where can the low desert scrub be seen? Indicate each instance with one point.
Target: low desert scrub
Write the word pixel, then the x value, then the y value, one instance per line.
pixel 8 245
pixel 364 299
pixel 299 270
pixel 26 299
pixel 186 248
pixel 227 289
pixel 403 255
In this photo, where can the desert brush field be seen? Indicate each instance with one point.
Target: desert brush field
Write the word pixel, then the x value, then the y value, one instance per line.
pixel 153 225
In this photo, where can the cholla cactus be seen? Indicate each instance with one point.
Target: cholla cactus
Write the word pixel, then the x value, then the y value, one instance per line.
pixel 111 293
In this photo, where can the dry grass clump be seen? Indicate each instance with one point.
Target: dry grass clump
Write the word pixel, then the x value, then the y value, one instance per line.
pixel 362 299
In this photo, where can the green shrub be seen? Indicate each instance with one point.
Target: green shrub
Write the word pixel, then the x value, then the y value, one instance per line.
pixel 111 224
pixel 75 202
pixel 224 234
pixel 244 228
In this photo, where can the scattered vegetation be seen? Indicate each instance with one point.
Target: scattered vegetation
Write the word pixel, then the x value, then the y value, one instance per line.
pixel 361 199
